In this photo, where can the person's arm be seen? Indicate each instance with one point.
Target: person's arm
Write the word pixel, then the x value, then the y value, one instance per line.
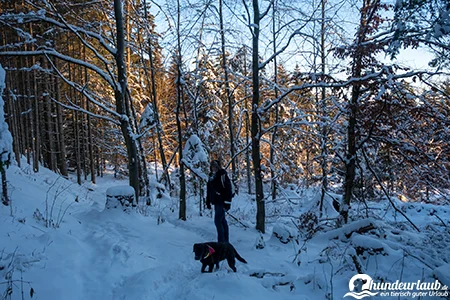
pixel 227 194
pixel 227 187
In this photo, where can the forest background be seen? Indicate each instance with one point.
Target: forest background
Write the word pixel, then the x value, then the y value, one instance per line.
pixel 301 93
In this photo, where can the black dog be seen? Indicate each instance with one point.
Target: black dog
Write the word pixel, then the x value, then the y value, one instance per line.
pixel 210 254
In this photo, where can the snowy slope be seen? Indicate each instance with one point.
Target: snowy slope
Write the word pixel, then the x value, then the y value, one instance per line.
pixel 108 254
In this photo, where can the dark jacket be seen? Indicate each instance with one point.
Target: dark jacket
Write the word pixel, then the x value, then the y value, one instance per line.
pixel 218 188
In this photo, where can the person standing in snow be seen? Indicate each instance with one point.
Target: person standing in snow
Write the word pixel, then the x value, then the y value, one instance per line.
pixel 218 193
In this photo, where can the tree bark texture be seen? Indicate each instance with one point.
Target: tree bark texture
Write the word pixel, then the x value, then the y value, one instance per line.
pixel 255 127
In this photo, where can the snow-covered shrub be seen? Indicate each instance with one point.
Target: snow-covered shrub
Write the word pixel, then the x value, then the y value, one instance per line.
pixel 56 208
pixel 120 197
pixel 195 158
pixel 13 284
pixel 284 232
pixel 39 217
pixel 308 224
pixel 260 243
pixel 148 118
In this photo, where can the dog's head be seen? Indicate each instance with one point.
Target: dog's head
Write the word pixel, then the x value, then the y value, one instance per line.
pixel 199 251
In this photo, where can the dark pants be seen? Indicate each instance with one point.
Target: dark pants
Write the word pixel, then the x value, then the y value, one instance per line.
pixel 221 223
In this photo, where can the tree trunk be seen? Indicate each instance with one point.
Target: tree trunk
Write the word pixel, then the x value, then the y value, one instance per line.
pixel 84 144
pixel 144 184
pixel 62 162
pixel 49 121
pixel 76 142
pixel 91 150
pixel 323 114
pixel 5 198
pixel 120 94
pixel 182 213
pixel 255 130
pixel 17 112
pixel 143 172
pixel 77 146
pixel 350 164
pixel 98 161
pixel 274 134
pixel 159 129
pixel 29 116
pixel 35 117
pixel 228 93
pixel 247 128
pixel 357 66
pixel 16 122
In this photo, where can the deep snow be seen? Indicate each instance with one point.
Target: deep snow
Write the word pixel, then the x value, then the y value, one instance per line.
pixel 93 253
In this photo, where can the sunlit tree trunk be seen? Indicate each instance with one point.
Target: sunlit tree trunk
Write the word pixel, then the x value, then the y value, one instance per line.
pixel 182 213
pixel 228 92
pixel 322 110
pixel 120 94
pixel 274 133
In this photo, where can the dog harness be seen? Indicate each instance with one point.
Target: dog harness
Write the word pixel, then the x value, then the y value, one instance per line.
pixel 210 251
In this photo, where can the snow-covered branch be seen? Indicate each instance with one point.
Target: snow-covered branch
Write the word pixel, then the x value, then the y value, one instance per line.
pixel 86 94
pixel 54 53
pixel 40 16
pixel 376 76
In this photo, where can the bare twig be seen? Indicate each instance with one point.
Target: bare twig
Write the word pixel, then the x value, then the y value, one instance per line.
pixel 419 259
pixel 237 220
pixel 439 218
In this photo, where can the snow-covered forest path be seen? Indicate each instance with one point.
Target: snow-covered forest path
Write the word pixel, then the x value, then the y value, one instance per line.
pixel 103 254
pixel 129 256
pixel 110 254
